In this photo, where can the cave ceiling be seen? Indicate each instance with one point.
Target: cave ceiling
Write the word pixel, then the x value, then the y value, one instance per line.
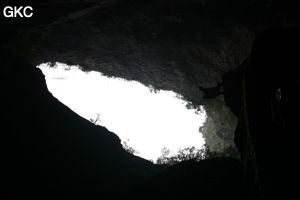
pixel 170 45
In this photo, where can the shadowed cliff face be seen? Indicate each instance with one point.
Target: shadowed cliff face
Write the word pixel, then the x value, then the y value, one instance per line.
pixel 170 45
pixel 218 178
pixel 49 152
pixel 268 127
pixel 173 45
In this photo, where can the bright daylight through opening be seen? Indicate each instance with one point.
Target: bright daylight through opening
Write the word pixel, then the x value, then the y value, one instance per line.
pixel 145 120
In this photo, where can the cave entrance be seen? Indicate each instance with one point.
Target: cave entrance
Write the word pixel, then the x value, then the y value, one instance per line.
pixel 145 119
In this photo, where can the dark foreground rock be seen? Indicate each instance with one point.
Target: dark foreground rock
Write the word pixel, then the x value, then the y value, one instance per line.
pixel 267 132
pixel 218 178
pixel 49 152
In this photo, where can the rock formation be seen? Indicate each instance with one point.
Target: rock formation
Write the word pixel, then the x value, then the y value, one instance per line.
pixel 267 129
pixel 49 152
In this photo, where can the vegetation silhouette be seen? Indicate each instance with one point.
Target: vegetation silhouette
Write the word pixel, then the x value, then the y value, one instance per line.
pixel 192 153
pixel 129 149
pixel 95 121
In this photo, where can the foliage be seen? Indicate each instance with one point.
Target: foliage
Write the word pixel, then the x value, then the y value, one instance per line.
pixel 177 18
pixel 178 72
pixel 229 151
pixel 174 64
pixel 192 153
pixel 153 88
pixel 95 121
pixel 129 149
pixel 176 69
pixel 219 125
pixel 182 155
pixel 125 145
pixel 154 34
pixel 190 105
pixel 84 69
pixel 200 110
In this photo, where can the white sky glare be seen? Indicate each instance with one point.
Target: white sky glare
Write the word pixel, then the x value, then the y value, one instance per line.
pixel 150 121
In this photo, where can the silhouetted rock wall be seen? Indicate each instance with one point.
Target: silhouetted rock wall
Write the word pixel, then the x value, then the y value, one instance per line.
pixel 268 128
pixel 218 178
pixel 49 152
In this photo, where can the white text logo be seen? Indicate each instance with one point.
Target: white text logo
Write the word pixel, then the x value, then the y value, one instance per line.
pixel 15 11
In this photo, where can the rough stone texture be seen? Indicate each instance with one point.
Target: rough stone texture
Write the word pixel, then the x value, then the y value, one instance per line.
pixel 173 45
pixel 267 131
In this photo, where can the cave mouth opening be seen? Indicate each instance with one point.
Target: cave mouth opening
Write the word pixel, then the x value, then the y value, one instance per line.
pixel 145 119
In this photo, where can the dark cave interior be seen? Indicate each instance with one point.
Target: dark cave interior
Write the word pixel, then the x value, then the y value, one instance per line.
pixel 232 57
